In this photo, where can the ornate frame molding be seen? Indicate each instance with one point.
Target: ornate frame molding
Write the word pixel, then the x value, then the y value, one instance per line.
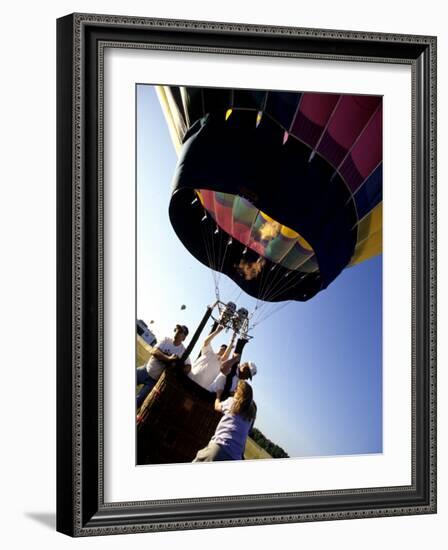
pixel 81 42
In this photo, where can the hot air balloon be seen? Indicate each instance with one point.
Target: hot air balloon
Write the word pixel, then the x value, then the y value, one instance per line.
pixel 280 191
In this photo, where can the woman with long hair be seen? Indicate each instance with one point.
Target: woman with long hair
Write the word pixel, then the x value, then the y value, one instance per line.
pixel 230 436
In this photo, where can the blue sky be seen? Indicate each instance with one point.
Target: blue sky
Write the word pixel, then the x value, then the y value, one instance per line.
pixel 319 382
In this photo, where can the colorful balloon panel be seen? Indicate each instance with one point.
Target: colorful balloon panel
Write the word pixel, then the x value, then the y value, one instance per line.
pixel 255 230
pixel 370 236
pixel 366 153
pixel 368 195
pixel 314 113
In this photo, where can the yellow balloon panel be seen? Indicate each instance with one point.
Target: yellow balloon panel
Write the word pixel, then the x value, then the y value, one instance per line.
pixel 370 236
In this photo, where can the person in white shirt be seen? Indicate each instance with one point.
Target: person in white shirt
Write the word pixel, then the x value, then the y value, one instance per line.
pixel 209 364
pixel 244 371
pixel 164 354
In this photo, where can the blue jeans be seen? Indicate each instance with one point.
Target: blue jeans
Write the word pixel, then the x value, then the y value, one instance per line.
pixel 148 384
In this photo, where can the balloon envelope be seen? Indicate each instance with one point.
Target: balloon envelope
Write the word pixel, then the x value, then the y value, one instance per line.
pixel 278 190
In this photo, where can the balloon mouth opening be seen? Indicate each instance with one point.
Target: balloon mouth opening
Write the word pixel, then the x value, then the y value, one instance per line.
pixel 258 233
pixel 248 262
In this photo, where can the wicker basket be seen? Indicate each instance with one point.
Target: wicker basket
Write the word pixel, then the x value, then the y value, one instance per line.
pixel 175 421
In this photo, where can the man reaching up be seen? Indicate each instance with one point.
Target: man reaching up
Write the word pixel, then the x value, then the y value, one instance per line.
pixel 209 364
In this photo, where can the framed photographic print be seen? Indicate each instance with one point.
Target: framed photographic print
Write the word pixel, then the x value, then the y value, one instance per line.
pixel 246 275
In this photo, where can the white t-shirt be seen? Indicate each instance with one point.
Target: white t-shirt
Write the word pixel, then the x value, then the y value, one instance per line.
pixel 219 383
pixel 154 366
pixel 206 368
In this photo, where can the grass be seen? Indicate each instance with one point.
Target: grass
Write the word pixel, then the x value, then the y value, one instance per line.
pixel 252 451
pixel 143 351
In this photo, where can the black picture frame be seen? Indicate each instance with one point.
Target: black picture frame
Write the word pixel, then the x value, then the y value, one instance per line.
pixel 81 510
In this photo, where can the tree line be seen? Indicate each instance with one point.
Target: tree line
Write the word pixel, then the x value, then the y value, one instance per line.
pixel 274 450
